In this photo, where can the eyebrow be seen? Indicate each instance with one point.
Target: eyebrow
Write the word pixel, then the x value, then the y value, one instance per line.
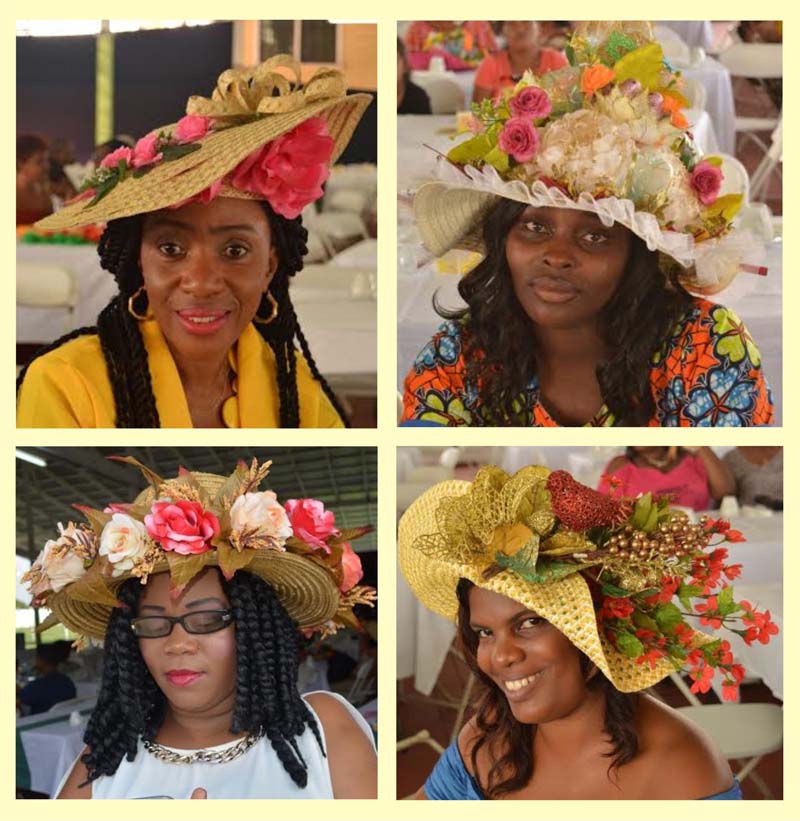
pixel 189 605
pixel 171 222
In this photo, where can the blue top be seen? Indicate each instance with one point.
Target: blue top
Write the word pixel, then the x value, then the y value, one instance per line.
pixel 451 781
pixel 42 693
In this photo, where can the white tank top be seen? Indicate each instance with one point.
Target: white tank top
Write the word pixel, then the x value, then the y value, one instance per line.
pixel 256 774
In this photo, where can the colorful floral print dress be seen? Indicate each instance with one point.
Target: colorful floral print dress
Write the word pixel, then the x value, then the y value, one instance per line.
pixel 708 374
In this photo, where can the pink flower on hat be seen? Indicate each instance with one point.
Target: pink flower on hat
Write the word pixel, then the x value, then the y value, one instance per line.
pixel 519 138
pixel 310 522
pixel 190 128
pixel 113 159
pixel 706 180
pixel 182 526
pixel 351 568
pixel 531 101
pixel 289 171
pixel 144 152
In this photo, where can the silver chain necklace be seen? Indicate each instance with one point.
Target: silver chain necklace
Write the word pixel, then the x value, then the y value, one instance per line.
pixel 201 756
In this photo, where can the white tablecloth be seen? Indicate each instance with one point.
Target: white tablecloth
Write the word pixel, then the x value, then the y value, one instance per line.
pixel 340 329
pixel 717 81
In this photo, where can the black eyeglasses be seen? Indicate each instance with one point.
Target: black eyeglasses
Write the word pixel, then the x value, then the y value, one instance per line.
pixel 199 622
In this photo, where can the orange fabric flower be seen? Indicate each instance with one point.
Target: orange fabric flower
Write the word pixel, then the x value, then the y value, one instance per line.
pixel 678 120
pixel 595 77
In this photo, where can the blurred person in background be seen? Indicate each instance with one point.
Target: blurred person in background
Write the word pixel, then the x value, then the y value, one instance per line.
pixel 411 99
pixel 33 186
pixel 523 52
pixel 691 477
pixel 51 686
pixel 758 473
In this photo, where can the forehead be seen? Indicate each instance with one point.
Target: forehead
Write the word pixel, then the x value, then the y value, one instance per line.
pixel 206 584
pixel 219 213
pixel 486 606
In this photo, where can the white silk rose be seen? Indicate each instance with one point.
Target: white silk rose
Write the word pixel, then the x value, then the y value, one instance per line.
pixel 59 562
pixel 261 513
pixel 122 541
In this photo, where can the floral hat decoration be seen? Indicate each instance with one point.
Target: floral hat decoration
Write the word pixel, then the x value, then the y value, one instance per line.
pixel 606 134
pixel 261 135
pixel 620 578
pixel 191 522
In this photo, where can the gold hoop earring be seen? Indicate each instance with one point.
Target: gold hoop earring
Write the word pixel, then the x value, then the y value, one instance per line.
pixel 259 320
pixel 132 306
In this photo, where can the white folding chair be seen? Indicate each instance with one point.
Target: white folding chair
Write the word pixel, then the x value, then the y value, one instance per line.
pixel 743 732
pixel 446 95
pixel 770 162
pixel 754 61
pixel 47 286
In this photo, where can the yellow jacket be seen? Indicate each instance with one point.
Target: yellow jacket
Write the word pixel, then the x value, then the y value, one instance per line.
pixel 69 387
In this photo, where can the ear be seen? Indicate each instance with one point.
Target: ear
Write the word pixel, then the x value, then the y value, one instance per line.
pixel 272 267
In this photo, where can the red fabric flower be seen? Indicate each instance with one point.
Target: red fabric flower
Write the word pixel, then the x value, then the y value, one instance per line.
pixel 706 181
pixel 519 139
pixel 616 608
pixel 351 568
pixel 310 522
pixel 651 656
pixel 182 526
pixel 113 159
pixel 289 171
pixel 191 128
pixel 531 102
pixel 730 691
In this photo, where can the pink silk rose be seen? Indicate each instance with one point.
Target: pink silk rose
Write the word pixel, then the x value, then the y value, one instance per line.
pixel 289 171
pixel 144 152
pixel 182 526
pixel 311 523
pixel 531 102
pixel 351 568
pixel 706 181
pixel 519 138
pixel 190 128
pixel 113 159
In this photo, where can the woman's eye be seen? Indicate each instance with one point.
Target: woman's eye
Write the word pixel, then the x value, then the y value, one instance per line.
pixel 170 249
pixel 595 238
pixel 236 251
pixel 482 632
pixel 532 621
pixel 533 227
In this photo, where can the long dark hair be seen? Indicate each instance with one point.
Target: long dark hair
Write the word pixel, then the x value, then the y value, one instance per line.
pixel 123 346
pixel 509 742
pixel 130 705
pixel 500 349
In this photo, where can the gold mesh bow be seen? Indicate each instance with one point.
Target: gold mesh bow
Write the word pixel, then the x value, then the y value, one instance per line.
pixel 246 94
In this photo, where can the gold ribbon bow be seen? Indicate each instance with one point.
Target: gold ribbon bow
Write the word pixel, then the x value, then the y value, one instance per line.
pixel 265 90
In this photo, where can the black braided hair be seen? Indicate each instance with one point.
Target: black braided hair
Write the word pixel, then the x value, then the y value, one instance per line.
pixel 123 346
pixel 130 705
pixel 501 733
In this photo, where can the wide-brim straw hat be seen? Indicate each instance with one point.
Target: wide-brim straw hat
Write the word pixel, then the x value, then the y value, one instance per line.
pixel 566 603
pixel 235 100
pixel 304 588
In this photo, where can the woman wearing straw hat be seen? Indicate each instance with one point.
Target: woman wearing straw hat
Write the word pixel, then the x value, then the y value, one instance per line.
pixel 595 216
pixel 203 235
pixel 198 589
pixel 564 602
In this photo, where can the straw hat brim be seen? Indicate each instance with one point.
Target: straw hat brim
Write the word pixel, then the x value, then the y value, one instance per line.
pixel 566 603
pixel 305 588
pixel 172 182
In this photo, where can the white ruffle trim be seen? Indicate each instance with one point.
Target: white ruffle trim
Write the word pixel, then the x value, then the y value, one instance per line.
pixel 716 261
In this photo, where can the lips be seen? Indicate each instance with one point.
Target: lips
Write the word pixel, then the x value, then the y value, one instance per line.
pixel 553 289
pixel 519 688
pixel 182 678
pixel 202 320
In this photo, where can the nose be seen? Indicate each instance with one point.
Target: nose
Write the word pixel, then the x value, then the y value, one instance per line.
pixel 506 651
pixel 202 276
pixel 559 254
pixel 179 642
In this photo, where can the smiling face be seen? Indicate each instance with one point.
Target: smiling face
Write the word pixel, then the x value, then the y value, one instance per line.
pixel 196 672
pixel 534 665
pixel 565 264
pixel 206 268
